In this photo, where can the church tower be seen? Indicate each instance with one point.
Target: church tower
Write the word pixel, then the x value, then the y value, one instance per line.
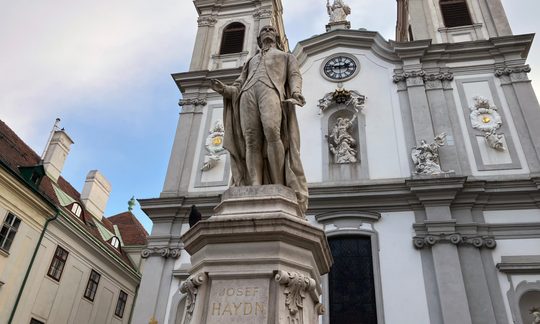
pixel 227 32
pixel 450 21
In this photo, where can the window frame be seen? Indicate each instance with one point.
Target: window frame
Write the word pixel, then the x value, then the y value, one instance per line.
pixel 92 285
pixel 121 303
pixel 76 209
pixel 11 228
pixel 443 3
pixel 54 269
pixel 230 28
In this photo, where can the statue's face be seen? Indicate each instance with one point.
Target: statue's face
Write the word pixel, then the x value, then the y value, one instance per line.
pixel 268 32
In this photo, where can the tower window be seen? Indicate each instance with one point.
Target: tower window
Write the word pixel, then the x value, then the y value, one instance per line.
pixel 455 13
pixel 92 285
pixel 233 38
pixel 351 282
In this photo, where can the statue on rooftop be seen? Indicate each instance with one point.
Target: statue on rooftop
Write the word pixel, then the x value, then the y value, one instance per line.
pixel 338 11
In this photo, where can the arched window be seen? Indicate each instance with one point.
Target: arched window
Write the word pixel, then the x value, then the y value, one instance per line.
pixel 76 209
pixel 351 282
pixel 455 13
pixel 115 242
pixel 233 38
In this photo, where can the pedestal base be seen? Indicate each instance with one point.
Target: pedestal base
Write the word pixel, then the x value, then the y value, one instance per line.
pixel 255 261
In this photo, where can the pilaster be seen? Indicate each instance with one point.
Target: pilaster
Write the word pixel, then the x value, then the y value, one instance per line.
pixel 436 195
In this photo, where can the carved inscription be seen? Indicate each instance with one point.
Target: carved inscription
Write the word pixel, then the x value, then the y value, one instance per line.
pixel 238 301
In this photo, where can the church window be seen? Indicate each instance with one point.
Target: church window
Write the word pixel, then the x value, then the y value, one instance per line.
pixel 233 38
pixel 8 231
pixel 351 281
pixel 92 285
pixel 57 264
pixel 455 13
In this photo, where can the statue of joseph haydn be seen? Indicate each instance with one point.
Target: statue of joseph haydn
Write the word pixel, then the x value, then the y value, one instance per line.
pixel 261 130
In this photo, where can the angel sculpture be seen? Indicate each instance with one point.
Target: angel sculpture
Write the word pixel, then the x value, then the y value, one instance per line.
pixel 341 143
pixel 426 156
pixel 338 11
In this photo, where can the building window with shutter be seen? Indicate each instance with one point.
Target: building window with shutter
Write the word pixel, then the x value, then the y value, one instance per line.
pixel 8 231
pixel 455 13
pixel 58 263
pixel 233 38
pixel 121 304
pixel 92 285
pixel 351 283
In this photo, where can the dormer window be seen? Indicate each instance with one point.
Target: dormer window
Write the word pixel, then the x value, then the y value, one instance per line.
pixel 455 13
pixel 76 209
pixel 233 38
pixel 115 242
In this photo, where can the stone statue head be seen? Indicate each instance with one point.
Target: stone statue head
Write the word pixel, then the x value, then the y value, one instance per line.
pixel 268 32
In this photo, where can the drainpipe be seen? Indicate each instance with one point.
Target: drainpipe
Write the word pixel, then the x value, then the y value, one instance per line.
pixel 10 321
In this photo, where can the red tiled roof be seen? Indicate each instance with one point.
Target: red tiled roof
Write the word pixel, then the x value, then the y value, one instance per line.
pixel 133 233
pixel 14 152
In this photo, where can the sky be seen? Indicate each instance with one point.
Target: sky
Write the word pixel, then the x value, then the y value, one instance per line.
pixel 104 68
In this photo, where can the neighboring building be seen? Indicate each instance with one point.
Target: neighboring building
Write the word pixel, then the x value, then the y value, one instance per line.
pixel 422 156
pixel 61 261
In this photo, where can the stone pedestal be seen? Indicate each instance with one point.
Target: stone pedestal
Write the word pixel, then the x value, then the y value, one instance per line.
pixel 255 261
pixel 338 25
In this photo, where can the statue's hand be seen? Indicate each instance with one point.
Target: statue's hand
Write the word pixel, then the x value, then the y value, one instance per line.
pixel 217 86
pixel 299 98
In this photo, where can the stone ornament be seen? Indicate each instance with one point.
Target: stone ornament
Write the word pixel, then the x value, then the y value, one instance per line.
pixel 485 118
pixel 214 145
pixel 263 14
pixel 349 98
pixel 190 287
pixel 398 77
pixel 512 70
pixel 426 156
pixel 192 102
pixel 429 240
pixel 341 143
pixel 338 11
pixel 161 251
pixel 535 312
pixel 206 21
pixel 295 291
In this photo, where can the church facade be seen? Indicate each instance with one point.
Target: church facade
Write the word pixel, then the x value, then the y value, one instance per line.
pixel 422 157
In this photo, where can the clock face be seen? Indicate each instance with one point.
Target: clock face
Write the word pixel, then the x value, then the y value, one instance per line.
pixel 340 68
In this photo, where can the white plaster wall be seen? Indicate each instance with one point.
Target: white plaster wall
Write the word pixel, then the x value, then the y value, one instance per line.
pixel 386 154
pixel 514 248
pixel 513 216
pixel 404 293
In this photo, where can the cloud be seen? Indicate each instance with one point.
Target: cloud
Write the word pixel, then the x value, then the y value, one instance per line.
pixel 58 54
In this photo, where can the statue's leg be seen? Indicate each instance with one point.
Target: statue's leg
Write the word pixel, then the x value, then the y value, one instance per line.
pixel 270 111
pixel 250 121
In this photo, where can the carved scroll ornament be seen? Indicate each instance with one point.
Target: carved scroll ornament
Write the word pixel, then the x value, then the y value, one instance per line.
pixel 296 286
pixel 161 251
pixel 190 287
pixel 349 98
pixel 429 240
